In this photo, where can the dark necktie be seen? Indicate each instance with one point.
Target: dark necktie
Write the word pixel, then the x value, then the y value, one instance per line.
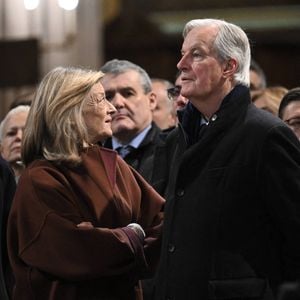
pixel 124 150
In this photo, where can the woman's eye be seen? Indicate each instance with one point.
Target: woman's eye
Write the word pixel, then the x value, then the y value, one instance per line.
pixel 99 100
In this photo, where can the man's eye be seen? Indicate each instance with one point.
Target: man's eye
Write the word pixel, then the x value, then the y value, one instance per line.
pixel 109 96
pixel 11 133
pixel 295 122
pixel 127 94
pixel 196 54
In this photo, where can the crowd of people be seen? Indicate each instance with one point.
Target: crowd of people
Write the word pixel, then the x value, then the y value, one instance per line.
pixel 119 186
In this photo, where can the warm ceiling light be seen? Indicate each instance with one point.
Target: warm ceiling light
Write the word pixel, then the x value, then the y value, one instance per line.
pixel 31 4
pixel 68 4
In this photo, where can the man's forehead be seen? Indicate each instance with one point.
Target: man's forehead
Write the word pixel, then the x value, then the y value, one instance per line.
pixel 200 37
pixel 14 125
pixel 292 110
pixel 128 79
pixel 126 74
pixel 17 117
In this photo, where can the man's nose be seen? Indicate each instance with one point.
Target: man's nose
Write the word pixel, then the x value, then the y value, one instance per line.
pixel 118 100
pixel 182 64
pixel 19 134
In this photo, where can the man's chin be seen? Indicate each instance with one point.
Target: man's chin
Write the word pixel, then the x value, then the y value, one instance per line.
pixel 121 129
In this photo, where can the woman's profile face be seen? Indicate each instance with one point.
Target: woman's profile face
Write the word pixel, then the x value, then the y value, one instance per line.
pixel 97 113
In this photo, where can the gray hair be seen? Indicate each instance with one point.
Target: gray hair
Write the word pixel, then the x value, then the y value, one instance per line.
pixel 231 42
pixel 15 110
pixel 116 67
pixel 168 84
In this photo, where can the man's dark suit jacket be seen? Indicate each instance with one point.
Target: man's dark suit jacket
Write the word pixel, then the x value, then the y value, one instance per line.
pixel 141 158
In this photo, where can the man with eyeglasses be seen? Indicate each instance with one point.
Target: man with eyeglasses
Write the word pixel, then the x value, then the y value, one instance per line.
pixel 175 95
pixel 289 110
pixel 164 114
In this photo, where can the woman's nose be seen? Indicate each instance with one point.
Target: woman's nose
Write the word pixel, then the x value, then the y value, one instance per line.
pixel 111 107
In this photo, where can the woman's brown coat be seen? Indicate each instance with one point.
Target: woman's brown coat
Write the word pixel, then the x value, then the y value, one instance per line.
pixel 54 259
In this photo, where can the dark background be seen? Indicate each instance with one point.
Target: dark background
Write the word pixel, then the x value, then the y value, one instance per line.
pixel 133 36
pixel 19 62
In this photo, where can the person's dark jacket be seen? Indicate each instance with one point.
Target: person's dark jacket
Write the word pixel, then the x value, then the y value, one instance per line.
pixel 232 213
pixel 140 159
pixel 7 191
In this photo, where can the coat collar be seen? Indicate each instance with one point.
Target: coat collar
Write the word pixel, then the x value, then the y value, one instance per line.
pixel 193 158
pixel 232 106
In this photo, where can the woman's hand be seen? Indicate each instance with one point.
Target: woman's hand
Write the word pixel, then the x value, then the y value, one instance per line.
pixel 138 230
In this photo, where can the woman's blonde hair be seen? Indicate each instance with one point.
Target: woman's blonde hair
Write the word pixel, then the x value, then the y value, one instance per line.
pixel 55 129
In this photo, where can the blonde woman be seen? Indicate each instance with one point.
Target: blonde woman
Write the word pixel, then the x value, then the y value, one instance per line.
pixel 83 225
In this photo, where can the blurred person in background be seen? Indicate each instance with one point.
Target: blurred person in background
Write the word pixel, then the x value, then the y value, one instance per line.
pixel 269 98
pixel 175 95
pixel 23 99
pixel 164 114
pixel 83 224
pixel 289 110
pixel 11 132
pixel 258 80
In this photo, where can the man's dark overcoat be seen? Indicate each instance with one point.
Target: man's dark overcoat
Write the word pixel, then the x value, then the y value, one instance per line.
pixel 232 216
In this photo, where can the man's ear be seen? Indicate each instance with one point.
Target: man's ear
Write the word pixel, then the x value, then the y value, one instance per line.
pixel 152 100
pixel 230 68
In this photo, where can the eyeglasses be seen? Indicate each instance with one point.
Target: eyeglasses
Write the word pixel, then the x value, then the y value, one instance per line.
pixel 174 92
pixel 294 123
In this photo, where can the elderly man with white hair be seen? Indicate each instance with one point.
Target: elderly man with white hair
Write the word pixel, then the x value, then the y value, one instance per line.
pixel 11 132
pixel 231 178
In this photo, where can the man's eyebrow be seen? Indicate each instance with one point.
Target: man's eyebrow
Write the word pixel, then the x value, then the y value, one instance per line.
pixel 14 128
pixel 120 90
pixel 127 88
pixel 110 91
